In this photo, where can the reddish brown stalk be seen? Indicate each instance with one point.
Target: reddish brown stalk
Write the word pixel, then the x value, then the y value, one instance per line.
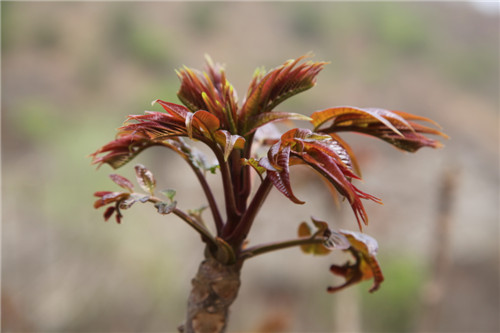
pixel 238 235
pixel 227 183
pixel 206 189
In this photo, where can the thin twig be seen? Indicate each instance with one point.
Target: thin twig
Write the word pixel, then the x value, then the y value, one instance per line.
pixel 212 203
pixel 192 222
pixel 265 248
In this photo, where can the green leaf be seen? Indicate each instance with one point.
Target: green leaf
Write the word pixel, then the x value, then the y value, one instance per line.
pixel 196 214
pixel 254 164
pixel 145 178
pixel 169 193
pixel 213 168
pixel 306 232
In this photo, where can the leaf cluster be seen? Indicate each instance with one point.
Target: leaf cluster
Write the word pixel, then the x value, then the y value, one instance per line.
pixel 237 134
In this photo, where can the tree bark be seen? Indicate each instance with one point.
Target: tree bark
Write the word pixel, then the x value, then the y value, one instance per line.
pixel 215 287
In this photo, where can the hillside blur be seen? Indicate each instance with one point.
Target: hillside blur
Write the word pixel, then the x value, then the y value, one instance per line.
pixel 72 72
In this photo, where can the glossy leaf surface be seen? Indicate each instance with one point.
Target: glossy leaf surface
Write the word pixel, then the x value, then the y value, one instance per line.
pixel 324 155
pixel 269 90
pixel 366 267
pixel 394 127
pixel 243 137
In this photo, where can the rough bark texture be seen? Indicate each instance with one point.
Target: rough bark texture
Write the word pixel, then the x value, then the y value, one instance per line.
pixel 215 287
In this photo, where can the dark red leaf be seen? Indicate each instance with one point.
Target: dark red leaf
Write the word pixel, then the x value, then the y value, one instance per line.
pixel 108 213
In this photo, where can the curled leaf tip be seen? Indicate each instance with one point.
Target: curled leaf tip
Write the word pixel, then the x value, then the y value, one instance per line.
pixel 363 248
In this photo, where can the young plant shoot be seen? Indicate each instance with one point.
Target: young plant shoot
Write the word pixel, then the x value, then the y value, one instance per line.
pixel 233 131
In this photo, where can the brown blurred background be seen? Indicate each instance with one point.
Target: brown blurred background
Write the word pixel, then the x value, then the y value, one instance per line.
pixel 72 72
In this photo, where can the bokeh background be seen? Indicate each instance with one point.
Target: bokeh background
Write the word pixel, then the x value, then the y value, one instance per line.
pixel 72 72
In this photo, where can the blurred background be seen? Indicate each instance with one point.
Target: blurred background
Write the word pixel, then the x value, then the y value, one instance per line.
pixel 72 72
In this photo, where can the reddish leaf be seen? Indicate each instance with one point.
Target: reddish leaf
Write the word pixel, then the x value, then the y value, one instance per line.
pixel 118 216
pixel 122 150
pixel 324 155
pixel 176 110
pixel 191 89
pixel 267 91
pixel 209 91
pixel 206 122
pixel 278 182
pixel 272 154
pixel 269 117
pixel 394 127
pixel 351 114
pixel 122 181
pixel 228 142
pixel 266 165
pixel 283 159
pixel 278 158
pixel 107 197
pixel 350 153
pixel 363 248
pixel 109 212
